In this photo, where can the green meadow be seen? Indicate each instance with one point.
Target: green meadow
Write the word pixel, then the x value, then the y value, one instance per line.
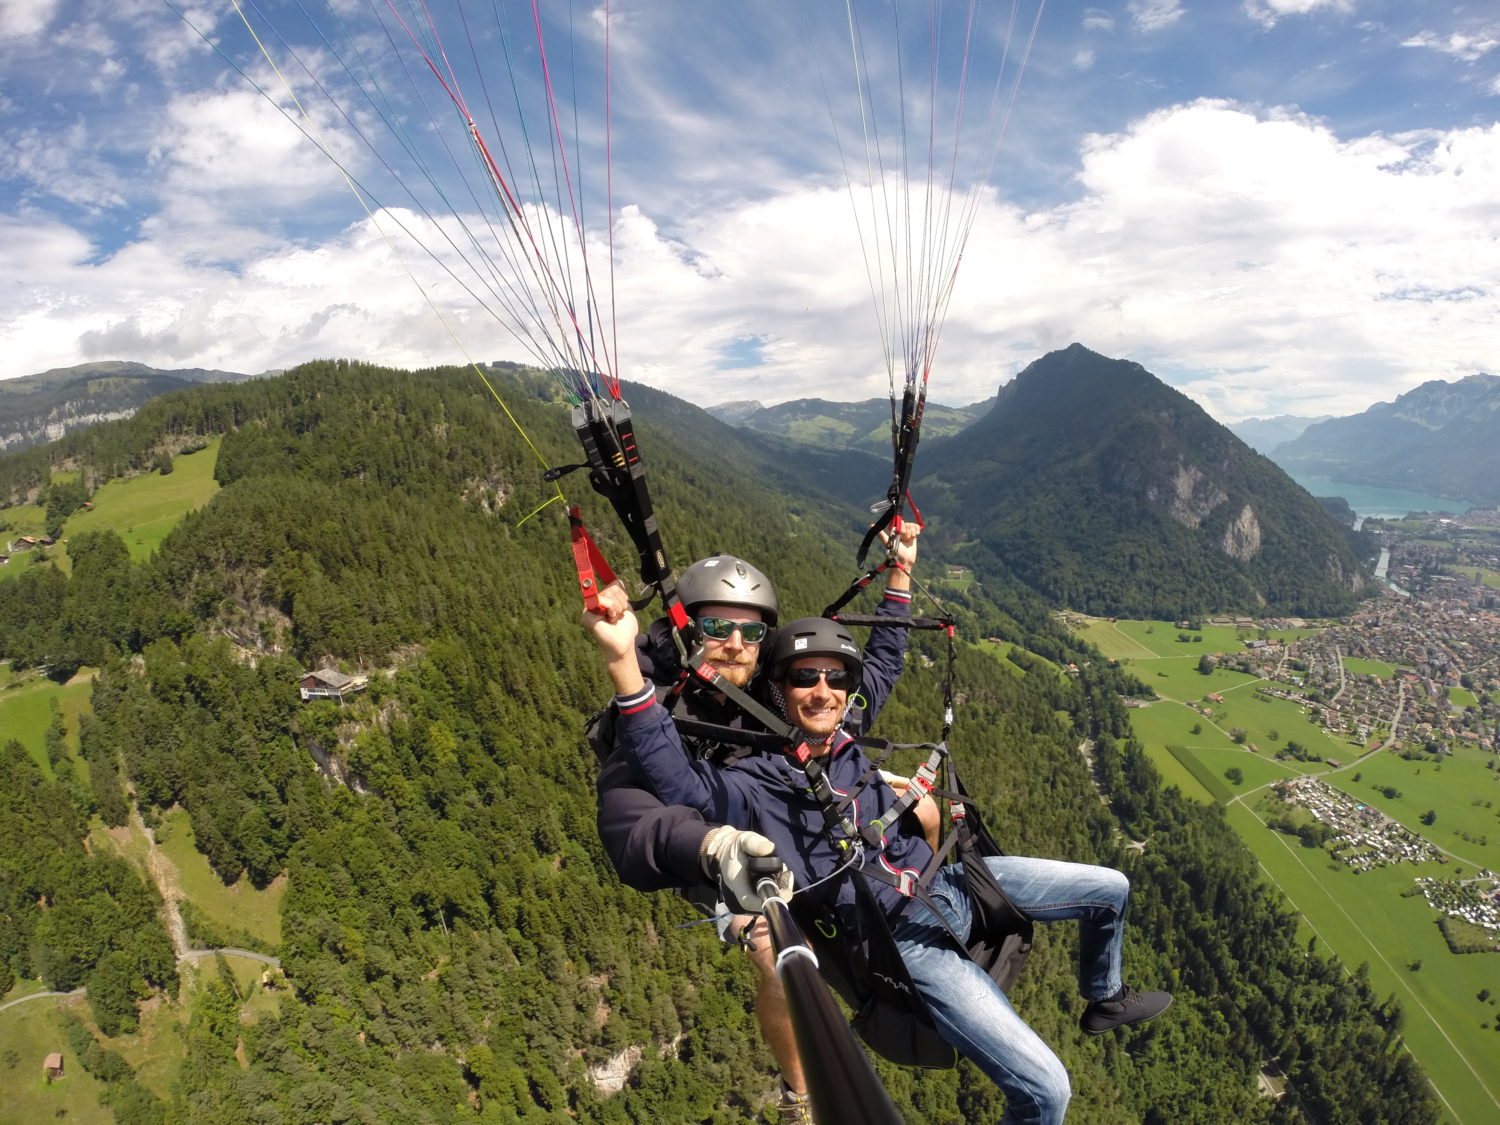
pixel 1361 667
pixel 1363 917
pixel 1462 697
pixel 26 710
pixel 229 909
pixel 28 1034
pixel 1365 920
pixel 143 509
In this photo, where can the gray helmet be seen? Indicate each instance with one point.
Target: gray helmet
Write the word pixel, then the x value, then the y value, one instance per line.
pixel 813 636
pixel 727 580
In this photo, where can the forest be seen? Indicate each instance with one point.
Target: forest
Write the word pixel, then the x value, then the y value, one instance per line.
pixel 456 947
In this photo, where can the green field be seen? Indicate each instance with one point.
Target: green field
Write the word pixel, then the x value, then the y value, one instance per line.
pixel 26 710
pixel 140 509
pixel 230 909
pixel 1365 920
pixel 1463 697
pixel 1360 917
pixel 28 1034
pixel 143 509
pixel 1358 666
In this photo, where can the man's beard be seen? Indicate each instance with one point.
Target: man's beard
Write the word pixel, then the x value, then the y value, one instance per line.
pixel 737 672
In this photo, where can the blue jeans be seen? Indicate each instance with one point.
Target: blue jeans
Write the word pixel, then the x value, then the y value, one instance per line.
pixel 973 1014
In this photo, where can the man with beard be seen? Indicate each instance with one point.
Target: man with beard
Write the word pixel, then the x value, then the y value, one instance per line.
pixel 654 846
pixel 814 668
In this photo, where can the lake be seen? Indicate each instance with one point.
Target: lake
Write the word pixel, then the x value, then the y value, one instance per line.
pixel 1380 503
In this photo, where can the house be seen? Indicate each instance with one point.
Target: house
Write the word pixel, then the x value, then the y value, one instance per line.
pixel 24 543
pixel 52 1066
pixel 329 683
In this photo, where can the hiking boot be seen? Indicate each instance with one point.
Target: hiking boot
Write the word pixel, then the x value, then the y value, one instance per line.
pixel 1124 1007
pixel 794 1108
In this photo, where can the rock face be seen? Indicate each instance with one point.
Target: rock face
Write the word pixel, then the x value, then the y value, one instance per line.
pixel 1102 488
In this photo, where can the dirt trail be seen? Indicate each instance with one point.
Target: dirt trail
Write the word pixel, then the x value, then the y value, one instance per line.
pixel 164 874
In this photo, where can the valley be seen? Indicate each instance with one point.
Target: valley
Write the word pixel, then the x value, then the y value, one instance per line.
pixel 1357 759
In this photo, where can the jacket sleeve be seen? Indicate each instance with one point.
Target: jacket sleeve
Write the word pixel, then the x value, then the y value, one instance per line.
pixel 649 741
pixel 652 845
pixel 885 654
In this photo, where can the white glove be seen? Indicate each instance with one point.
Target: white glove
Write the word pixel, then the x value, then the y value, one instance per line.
pixel 895 780
pixel 726 855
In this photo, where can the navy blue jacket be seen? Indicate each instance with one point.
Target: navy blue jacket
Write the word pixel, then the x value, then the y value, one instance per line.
pixel 654 845
pixel 768 793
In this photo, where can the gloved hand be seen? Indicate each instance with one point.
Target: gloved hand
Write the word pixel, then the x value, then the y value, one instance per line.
pixel 725 856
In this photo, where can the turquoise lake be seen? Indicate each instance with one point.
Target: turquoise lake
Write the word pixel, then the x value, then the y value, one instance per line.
pixel 1381 503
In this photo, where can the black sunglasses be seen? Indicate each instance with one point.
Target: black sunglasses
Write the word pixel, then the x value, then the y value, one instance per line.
pixel 839 679
pixel 722 628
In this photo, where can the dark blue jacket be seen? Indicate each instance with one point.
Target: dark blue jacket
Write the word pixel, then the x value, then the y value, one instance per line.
pixel 653 845
pixel 769 794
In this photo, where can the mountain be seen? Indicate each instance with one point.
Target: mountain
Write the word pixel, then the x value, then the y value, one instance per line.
pixel 1265 434
pixel 841 425
pixel 44 407
pixel 1108 491
pixel 1440 438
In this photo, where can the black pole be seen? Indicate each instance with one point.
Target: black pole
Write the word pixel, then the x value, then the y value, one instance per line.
pixel 840 1079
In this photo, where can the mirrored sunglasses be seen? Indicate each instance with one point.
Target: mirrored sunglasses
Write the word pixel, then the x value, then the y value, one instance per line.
pixel 839 679
pixel 722 628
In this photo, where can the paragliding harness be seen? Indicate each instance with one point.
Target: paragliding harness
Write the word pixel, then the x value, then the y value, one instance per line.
pixel 890 1014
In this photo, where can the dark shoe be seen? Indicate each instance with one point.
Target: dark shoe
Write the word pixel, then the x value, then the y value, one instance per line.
pixel 1126 1006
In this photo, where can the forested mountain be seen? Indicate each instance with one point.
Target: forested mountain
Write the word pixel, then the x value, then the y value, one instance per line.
pixel 44 407
pixel 1441 438
pixel 1106 490
pixel 1264 434
pixel 842 425
pixel 456 947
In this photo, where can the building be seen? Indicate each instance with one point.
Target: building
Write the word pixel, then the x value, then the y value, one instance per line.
pixel 52 1066
pixel 329 683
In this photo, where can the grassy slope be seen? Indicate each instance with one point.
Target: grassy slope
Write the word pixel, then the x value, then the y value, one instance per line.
pixel 240 907
pixel 1363 917
pixel 26 710
pixel 143 509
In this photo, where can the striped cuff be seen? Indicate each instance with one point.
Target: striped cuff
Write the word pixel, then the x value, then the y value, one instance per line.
pixel 630 704
pixel 898 595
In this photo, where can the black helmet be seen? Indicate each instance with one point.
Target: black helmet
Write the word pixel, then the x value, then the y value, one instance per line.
pixel 813 636
pixel 726 580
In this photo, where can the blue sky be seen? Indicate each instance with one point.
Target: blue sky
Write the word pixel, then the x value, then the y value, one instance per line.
pixel 1278 206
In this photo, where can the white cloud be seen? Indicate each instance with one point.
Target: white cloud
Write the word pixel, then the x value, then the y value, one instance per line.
pixel 23 18
pixel 1467 46
pixel 1154 15
pixel 1269 13
pixel 1084 60
pixel 1098 19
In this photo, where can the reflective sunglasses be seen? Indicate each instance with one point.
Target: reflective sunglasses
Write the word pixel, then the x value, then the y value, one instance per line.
pixel 839 679
pixel 722 628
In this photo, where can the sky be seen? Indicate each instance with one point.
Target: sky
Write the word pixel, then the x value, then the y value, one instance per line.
pixel 1276 206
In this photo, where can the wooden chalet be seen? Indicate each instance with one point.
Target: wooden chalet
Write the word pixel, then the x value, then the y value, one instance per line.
pixel 329 683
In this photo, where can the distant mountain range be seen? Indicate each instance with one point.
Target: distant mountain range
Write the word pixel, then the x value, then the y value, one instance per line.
pixel 40 408
pixel 1264 434
pixel 843 425
pixel 1440 438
